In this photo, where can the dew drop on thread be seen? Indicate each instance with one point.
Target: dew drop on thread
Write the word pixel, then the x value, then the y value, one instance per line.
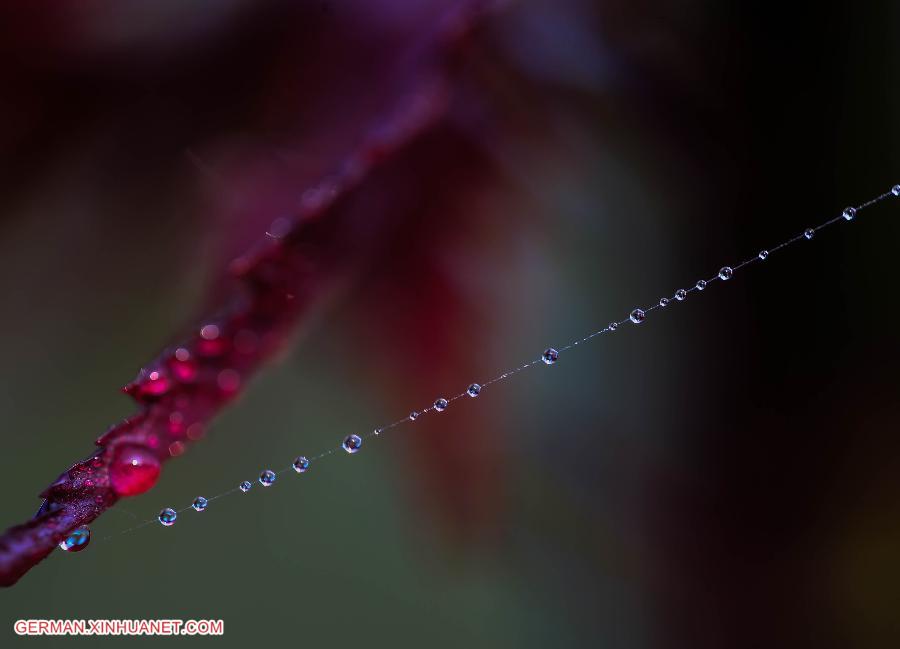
pixel 352 443
pixel 167 516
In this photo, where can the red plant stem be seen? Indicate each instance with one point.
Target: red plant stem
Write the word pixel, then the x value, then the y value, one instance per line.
pixel 273 286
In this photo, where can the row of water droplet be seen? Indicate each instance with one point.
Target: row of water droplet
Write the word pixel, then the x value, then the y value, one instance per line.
pixel 352 444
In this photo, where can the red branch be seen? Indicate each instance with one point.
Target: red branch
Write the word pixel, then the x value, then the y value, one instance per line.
pixel 272 287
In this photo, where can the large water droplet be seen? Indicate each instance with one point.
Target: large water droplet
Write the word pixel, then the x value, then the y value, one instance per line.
pixel 267 478
pixel 352 443
pixel 200 503
pixel 637 316
pixel 301 464
pixel 849 213
pixel 441 404
pixel 680 295
pixel 134 469
pixel 77 540
pixel 473 390
pixel 245 486
pixel 726 273
pixel 167 516
pixel 809 233
pixel 550 356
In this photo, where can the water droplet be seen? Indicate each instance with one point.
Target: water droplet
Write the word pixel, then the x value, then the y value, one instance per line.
pixel 849 213
pixel 301 464
pixel 167 516
pixel 473 390
pixel 637 316
pixel 701 285
pixel 378 431
pixel 176 423
pixel 809 233
pixel 182 366
pixel 414 415
pixel 212 342
pixel 763 254
pixel 279 228
pixel 134 469
pixel 441 404
pixel 895 190
pixel 245 486
pixel 229 380
pixel 266 478
pixel 152 383
pixel 200 503
pixel 176 448
pixel 680 295
pixel 612 326
pixel 352 443
pixel 664 302
pixel 726 273
pixel 77 540
pixel 550 356
pixel 209 332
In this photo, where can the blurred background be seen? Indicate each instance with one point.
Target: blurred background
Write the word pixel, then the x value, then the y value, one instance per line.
pixel 728 475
